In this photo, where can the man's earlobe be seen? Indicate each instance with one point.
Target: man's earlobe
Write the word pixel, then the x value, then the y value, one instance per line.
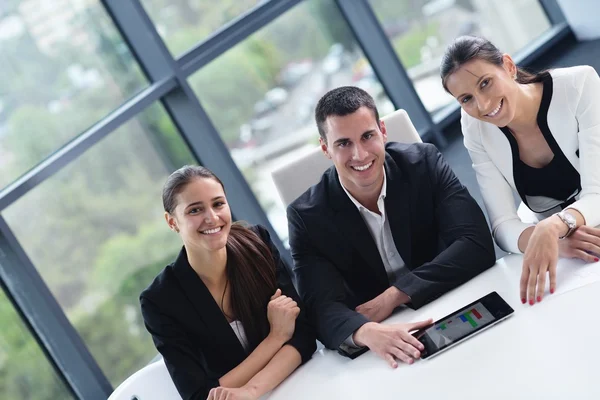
pixel 324 148
pixel 383 130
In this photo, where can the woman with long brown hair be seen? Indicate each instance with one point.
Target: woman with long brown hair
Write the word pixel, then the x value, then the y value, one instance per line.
pixel 536 135
pixel 225 315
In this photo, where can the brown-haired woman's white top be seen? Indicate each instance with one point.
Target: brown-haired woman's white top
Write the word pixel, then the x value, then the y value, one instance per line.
pixel 570 122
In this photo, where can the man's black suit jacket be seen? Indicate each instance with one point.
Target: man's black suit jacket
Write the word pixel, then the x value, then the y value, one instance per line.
pixel 438 229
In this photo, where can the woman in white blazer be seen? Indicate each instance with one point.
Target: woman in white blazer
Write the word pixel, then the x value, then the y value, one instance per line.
pixel 537 136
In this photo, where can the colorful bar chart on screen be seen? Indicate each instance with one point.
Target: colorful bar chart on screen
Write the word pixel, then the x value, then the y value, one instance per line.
pixel 471 321
pixel 443 326
pixel 466 317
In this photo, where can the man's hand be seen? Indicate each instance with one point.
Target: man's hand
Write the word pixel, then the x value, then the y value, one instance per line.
pixel 392 342
pixel 382 306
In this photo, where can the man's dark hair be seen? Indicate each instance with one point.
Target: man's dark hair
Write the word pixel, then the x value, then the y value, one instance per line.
pixel 340 102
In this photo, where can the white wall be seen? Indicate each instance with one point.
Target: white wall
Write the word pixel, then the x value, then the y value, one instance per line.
pixel 583 16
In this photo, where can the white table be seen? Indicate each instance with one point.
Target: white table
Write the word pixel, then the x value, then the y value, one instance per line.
pixel 547 351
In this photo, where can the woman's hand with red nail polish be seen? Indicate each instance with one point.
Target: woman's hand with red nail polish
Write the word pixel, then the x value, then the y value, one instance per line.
pixel 539 261
pixel 583 244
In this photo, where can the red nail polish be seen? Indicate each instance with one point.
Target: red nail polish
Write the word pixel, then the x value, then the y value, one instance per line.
pixel 523 301
pixel 551 290
pixel 596 259
pixel 539 298
pixel 531 302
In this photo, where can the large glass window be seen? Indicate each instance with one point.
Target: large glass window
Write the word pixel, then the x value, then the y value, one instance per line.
pixel 262 93
pixel 64 67
pixel 97 235
pixel 420 30
pixel 25 373
pixel 184 23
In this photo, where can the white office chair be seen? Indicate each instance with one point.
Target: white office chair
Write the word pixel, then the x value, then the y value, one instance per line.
pixel 152 382
pixel 293 178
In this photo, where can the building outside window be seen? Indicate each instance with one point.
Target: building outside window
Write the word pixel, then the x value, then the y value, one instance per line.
pixel 420 30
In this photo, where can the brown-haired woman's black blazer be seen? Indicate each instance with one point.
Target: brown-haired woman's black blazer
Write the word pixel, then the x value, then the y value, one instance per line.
pixel 192 334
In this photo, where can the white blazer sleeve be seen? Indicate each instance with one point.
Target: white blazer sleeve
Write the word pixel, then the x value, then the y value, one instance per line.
pixel 587 114
pixel 496 191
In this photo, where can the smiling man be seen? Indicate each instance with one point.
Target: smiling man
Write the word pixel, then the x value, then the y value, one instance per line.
pixel 389 224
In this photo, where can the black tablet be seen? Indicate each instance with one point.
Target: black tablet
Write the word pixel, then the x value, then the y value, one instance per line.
pixel 462 324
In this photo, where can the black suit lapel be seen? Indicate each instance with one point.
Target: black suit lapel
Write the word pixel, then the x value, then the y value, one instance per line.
pixel 352 225
pixel 397 208
pixel 208 310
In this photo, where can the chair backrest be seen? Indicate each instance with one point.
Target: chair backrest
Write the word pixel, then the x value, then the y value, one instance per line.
pixel 152 382
pixel 293 178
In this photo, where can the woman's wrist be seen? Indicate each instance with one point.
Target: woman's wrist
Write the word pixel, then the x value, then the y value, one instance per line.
pixel 555 225
pixel 276 340
pixel 253 389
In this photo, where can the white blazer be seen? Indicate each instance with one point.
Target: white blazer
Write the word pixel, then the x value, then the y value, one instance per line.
pixel 574 122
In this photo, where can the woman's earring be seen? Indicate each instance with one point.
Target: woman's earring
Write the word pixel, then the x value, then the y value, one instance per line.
pixel 515 76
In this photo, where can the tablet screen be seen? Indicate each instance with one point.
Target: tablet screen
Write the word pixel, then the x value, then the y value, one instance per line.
pixel 455 327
